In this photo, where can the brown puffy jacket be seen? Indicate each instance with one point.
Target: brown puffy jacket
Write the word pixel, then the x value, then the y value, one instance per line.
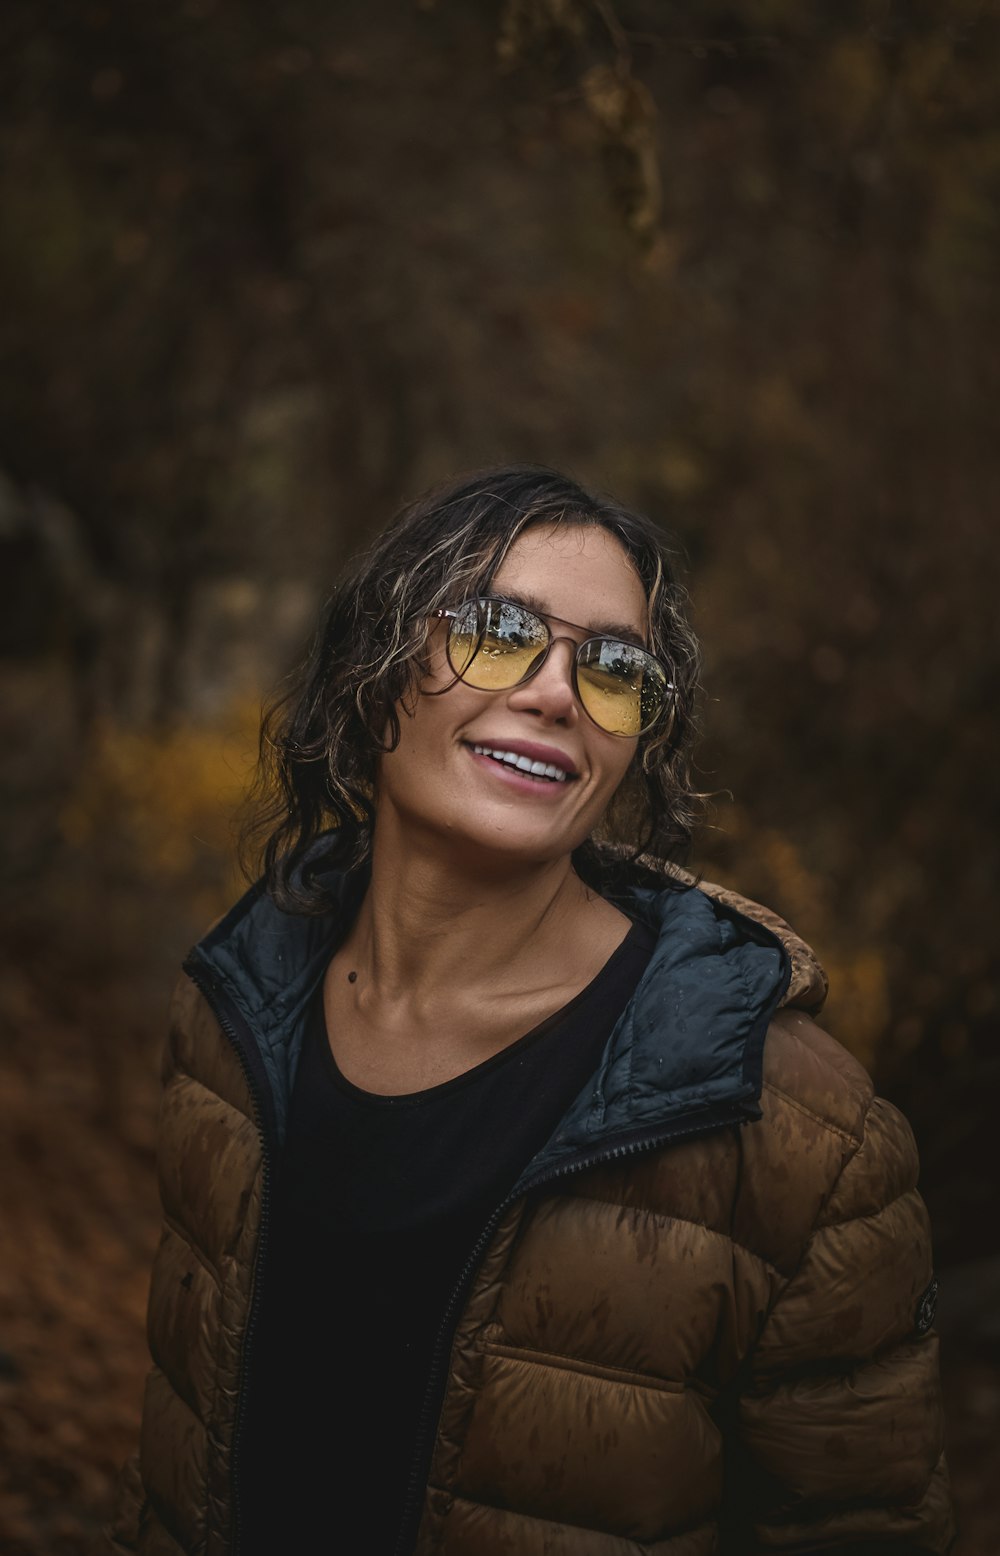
pixel 700 1324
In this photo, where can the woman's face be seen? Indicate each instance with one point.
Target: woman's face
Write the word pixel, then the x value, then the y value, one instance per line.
pixel 436 786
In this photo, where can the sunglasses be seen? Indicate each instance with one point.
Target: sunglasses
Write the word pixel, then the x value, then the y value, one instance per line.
pixel 494 645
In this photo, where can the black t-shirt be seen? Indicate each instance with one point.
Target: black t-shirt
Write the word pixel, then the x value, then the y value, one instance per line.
pixel 378 1202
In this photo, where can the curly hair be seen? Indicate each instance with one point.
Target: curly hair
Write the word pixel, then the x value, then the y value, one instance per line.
pixel 312 803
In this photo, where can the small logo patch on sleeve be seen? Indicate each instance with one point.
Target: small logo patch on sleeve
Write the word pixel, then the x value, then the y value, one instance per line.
pixel 927 1308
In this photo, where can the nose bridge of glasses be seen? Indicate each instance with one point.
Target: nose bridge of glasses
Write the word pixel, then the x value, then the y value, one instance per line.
pixel 547 661
pixel 555 671
pixel 569 662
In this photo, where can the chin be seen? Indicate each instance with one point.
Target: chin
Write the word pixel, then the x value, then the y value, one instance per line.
pixel 510 845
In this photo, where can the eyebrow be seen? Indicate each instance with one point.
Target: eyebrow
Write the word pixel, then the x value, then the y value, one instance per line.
pixel 611 629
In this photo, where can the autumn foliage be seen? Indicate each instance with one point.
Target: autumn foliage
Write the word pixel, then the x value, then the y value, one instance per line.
pixel 268 271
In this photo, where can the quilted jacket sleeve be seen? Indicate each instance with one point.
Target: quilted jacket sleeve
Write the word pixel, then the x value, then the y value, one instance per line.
pixel 838 1428
pixel 122 1531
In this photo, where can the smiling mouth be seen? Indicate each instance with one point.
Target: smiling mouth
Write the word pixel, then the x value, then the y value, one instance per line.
pixel 542 772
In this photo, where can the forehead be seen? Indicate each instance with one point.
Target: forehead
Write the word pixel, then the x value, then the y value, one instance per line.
pixel 579 572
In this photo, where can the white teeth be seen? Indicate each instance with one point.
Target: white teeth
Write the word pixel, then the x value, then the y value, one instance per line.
pixel 523 763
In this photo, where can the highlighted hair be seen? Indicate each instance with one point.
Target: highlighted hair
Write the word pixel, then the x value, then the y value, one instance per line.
pixel 313 799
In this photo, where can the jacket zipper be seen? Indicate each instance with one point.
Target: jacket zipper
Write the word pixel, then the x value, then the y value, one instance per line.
pixel 230 1023
pixel 409 1524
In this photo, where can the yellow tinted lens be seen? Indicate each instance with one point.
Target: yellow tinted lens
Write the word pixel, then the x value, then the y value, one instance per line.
pixel 621 686
pixel 493 645
pixel 463 638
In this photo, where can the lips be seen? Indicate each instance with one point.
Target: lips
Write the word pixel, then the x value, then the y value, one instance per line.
pixel 546 770
pixel 541 764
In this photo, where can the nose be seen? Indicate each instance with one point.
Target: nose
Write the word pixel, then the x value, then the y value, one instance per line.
pixel 549 692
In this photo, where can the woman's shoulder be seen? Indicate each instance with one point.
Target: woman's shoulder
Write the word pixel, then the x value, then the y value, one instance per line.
pixel 827 1150
pixel 804 1067
pixel 807 1069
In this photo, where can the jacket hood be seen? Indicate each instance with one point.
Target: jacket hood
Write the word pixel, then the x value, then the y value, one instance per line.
pixel 686 1053
pixel 807 986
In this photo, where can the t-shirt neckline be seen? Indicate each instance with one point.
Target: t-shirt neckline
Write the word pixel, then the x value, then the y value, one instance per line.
pixel 637 937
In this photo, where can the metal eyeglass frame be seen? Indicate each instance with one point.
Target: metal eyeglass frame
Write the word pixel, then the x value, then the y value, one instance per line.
pixel 444 614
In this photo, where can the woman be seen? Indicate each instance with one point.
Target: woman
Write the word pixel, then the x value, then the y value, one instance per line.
pixel 512 1200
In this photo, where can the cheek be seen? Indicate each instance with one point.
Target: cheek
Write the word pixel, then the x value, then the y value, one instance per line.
pixel 616 766
pixel 426 726
pixel 409 764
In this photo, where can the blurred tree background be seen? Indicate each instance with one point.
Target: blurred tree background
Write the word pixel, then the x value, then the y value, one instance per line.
pixel 267 271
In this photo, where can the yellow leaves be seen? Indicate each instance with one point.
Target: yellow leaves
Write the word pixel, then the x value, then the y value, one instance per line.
pixel 164 799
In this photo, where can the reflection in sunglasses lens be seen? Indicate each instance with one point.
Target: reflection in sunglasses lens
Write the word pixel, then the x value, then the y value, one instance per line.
pixel 494 645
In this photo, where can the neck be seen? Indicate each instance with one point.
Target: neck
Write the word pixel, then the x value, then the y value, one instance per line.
pixel 436 931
